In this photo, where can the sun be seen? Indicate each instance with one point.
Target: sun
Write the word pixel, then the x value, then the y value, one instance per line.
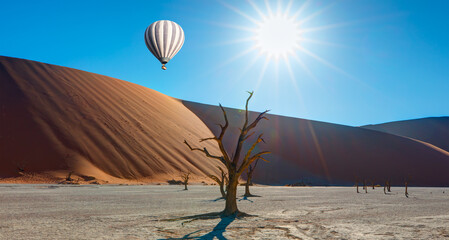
pixel 281 34
pixel 277 36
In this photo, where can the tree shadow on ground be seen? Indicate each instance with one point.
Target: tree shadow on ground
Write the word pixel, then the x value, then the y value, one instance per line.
pixel 217 231
pixel 215 200
pixel 245 199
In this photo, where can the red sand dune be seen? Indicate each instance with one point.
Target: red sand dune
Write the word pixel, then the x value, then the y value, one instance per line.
pixel 56 119
pixel 434 130
pixel 325 153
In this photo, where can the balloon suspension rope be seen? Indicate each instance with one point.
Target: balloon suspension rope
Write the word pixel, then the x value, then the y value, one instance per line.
pixel 164 67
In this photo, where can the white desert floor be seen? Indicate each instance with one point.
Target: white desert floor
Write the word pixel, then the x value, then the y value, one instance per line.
pixel 135 212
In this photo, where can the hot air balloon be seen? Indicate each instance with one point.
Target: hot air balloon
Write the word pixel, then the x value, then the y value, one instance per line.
pixel 164 39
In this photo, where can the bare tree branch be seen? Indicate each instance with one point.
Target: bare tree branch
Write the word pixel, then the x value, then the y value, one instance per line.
pixel 248 154
pixel 251 160
pixel 256 121
pixel 206 139
pixel 223 128
pixel 215 178
pixel 255 165
pixel 204 150
pixel 246 138
pixel 244 130
pixel 246 109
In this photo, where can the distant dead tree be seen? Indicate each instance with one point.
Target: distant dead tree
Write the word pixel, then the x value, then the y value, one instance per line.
pixel 406 187
pixel 20 167
pixel 69 176
pixel 236 164
pixel 220 181
pixel 185 179
pixel 357 184
pixel 249 176
pixel 385 187
pixel 389 185
pixel 372 184
pixel 69 180
pixel 364 186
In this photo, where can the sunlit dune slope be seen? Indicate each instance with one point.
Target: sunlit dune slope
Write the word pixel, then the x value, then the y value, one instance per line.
pixel 434 130
pixel 61 119
pixel 324 153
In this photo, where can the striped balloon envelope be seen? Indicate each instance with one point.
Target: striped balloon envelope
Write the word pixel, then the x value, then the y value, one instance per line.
pixel 164 39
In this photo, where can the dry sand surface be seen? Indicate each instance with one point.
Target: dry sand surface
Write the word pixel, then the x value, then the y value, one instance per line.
pixel 135 212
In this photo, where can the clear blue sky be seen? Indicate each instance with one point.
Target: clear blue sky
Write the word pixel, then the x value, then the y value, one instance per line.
pixel 387 60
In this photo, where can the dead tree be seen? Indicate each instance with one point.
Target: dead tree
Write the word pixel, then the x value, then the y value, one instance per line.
pixel 235 164
pixel 372 184
pixel 249 176
pixel 220 181
pixel 364 186
pixel 20 167
pixel 389 185
pixel 185 179
pixel 385 187
pixel 406 187
pixel 69 177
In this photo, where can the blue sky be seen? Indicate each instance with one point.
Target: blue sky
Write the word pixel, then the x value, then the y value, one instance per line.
pixel 378 61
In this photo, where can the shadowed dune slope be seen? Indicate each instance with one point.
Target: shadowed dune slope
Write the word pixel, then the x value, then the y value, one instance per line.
pixel 324 153
pixel 434 130
pixel 56 118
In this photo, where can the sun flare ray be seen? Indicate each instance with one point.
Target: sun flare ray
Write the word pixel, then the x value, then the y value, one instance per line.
pixel 241 28
pixel 317 13
pixel 240 40
pixel 305 68
pixel 303 39
pixel 241 74
pixel 294 82
pixel 257 9
pixel 236 10
pixel 287 8
pixel 262 72
pixel 270 12
pixel 300 10
pixel 327 27
pixel 328 64
pixel 230 60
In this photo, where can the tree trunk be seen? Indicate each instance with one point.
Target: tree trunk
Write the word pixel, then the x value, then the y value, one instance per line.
pixel 247 193
pixel 364 186
pixel 249 176
pixel 357 185
pixel 231 196
pixel 185 186
pixel 223 193
pixel 406 186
